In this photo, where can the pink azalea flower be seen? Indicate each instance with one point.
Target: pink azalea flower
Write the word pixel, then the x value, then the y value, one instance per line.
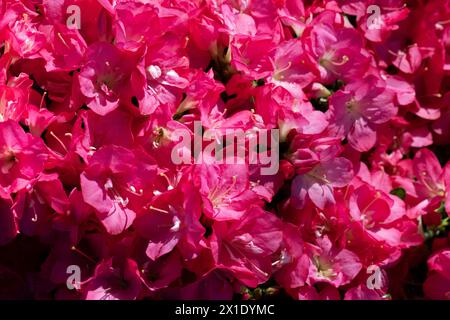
pixel 376 212
pixel 293 263
pixel 116 183
pixel 437 285
pixel 96 95
pixel 114 280
pixel 290 12
pixel 251 55
pixel 225 190
pixel 294 69
pixel 14 97
pixel 245 246
pixel 22 157
pixel 166 76
pixel 168 224
pixel 331 265
pixel 391 13
pixel 104 78
pixel 318 183
pixel 201 95
pixel 338 50
pixel 426 182
pixel 433 182
pixel 34 205
pixel 95 24
pixel 77 214
pixel 22 30
pixel 162 272
pixel 65 50
pixel 93 131
pixel 272 105
pixel 357 111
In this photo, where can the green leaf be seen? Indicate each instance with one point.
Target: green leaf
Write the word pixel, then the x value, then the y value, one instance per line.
pixel 399 192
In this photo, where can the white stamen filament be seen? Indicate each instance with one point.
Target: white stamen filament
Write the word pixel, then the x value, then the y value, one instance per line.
pixel 133 190
pixel 117 197
pixel 157 209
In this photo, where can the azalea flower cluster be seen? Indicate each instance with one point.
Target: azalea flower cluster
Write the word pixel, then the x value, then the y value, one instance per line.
pixel 93 92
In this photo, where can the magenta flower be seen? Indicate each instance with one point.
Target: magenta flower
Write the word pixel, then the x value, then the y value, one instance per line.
pixel 437 285
pixel 251 55
pixel 35 205
pixel 293 264
pixel 132 149
pixel 105 77
pixel 22 157
pixel 65 51
pixel 225 190
pixel 114 279
pixel 117 183
pixel 433 181
pixel 168 224
pixel 338 50
pixel 318 183
pixel 356 111
pixel 244 247
pixel 93 131
pixel 331 265
pixel 294 68
pixel 377 214
pixel 14 97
